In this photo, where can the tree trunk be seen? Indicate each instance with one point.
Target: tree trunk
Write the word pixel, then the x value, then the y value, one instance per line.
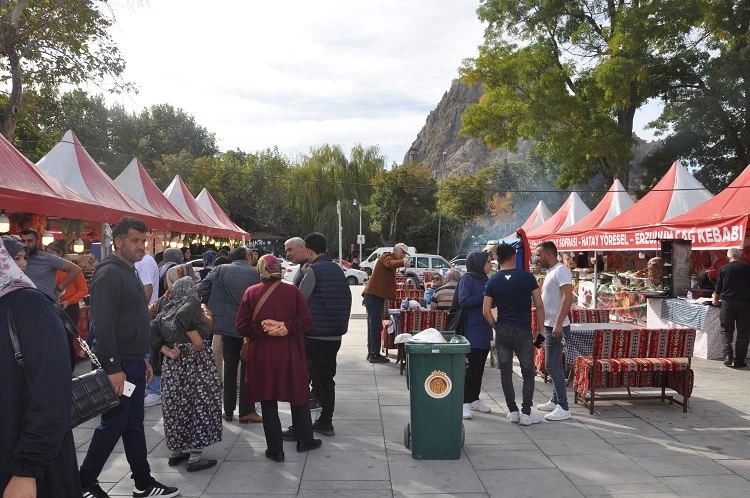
pixel 10 117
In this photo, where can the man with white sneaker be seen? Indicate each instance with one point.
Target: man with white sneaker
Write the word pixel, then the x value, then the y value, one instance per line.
pixel 557 294
pixel 511 290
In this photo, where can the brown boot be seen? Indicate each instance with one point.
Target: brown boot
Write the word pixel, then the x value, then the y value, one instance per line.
pixel 253 418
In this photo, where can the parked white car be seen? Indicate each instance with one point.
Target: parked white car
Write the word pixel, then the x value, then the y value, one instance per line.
pixel 353 277
pixel 368 264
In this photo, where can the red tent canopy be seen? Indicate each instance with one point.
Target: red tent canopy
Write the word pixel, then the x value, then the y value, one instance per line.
pixel 640 227
pixel 135 182
pixel 615 202
pixel 69 162
pixel 572 211
pixel 721 222
pixel 209 204
pixel 539 215
pixel 25 188
pixel 179 195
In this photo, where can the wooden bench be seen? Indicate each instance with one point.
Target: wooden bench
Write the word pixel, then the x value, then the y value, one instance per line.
pixel 576 315
pixel 658 358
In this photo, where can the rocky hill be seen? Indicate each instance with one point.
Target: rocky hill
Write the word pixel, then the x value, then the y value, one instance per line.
pixel 440 138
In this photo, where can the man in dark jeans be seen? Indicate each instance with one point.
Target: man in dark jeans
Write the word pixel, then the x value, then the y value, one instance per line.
pixel 224 287
pixel 733 287
pixel 123 337
pixel 327 293
pixel 511 291
pixel 381 286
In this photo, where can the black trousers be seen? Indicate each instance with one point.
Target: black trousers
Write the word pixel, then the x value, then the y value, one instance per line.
pixel 474 372
pixel 231 347
pixel 322 357
pixel 375 306
pixel 74 312
pixel 301 421
pixel 735 315
pixel 126 422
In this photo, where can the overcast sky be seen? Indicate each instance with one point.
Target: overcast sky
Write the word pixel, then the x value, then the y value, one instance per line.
pixel 298 73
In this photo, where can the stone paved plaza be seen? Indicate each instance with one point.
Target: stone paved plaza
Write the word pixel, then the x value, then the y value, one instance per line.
pixel 641 449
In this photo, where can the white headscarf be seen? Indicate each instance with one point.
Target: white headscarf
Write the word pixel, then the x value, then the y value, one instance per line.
pixel 11 276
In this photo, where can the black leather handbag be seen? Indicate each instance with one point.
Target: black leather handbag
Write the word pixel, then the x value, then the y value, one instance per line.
pixel 92 393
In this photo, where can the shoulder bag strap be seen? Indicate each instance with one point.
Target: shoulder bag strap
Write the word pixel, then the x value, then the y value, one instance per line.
pixel 17 353
pixel 264 297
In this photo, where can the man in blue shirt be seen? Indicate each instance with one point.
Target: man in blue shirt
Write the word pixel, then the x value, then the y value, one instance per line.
pixel 511 291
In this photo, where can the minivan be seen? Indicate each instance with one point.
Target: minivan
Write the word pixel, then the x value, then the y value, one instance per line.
pixel 426 263
pixel 368 264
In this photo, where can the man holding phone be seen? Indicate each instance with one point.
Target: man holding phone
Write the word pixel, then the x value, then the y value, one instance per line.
pixel 123 337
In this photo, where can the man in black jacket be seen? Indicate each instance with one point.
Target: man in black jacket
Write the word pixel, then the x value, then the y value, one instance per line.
pixel 733 287
pixel 123 337
pixel 224 288
pixel 327 293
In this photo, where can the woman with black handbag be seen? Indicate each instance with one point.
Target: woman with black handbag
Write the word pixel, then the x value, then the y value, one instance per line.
pixel 476 329
pixel 37 452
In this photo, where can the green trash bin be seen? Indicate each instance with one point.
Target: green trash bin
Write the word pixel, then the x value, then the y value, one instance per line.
pixel 435 378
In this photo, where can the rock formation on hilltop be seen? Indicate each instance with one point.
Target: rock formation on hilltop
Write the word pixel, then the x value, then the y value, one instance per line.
pixel 441 133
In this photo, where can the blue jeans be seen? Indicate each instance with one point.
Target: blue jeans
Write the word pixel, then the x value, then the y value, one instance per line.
pixel 374 306
pixel 509 340
pixel 553 352
pixel 153 387
pixel 126 422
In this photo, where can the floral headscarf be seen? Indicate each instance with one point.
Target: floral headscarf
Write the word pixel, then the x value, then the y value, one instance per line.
pixel 269 267
pixel 11 276
pixel 182 310
pixel 177 272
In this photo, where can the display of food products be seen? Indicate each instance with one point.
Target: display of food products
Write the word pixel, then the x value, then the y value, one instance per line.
pixel 655 270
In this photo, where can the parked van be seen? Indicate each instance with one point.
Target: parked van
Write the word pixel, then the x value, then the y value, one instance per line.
pixel 426 263
pixel 368 264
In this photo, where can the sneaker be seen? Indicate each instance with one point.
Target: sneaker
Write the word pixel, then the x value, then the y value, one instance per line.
pixel 728 360
pixel 530 419
pixel 547 407
pixel 467 411
pixel 288 435
pixel 202 464
pixel 479 406
pixel 514 417
pixel 378 359
pixel 152 400
pixel 558 414
pixel 326 430
pixel 94 491
pixel 156 489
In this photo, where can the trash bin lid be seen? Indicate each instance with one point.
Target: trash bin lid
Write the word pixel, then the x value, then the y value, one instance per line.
pixel 461 347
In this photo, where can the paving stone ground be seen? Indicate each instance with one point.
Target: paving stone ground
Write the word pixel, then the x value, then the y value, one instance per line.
pixel 642 448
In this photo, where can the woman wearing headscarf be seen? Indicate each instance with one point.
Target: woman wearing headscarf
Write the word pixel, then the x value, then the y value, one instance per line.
pixel 37 453
pixel 170 258
pixel 274 317
pixel 186 254
pixel 18 251
pixel 478 332
pixel 191 394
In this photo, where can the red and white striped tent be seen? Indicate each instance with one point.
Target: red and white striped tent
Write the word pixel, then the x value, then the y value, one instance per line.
pixel 571 212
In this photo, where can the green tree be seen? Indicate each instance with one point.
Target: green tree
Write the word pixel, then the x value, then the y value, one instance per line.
pixel 400 198
pixel 463 200
pixel 577 76
pixel 707 112
pixel 50 42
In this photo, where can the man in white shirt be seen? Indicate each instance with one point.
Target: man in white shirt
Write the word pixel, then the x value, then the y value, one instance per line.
pixel 148 272
pixel 557 295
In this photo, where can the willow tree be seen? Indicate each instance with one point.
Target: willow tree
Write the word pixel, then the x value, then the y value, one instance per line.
pixel 571 75
pixel 51 42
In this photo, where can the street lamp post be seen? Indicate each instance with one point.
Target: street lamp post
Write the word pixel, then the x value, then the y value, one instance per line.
pixel 440 198
pixel 359 237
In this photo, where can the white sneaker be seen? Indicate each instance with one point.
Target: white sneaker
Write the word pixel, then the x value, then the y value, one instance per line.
pixel 530 419
pixel 514 416
pixel 558 414
pixel 152 400
pixel 546 407
pixel 479 406
pixel 467 411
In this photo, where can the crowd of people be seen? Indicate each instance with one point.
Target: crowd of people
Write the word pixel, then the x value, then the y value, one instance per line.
pixel 165 335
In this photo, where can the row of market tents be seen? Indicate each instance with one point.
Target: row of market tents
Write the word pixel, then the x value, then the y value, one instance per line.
pixel 678 207
pixel 68 183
